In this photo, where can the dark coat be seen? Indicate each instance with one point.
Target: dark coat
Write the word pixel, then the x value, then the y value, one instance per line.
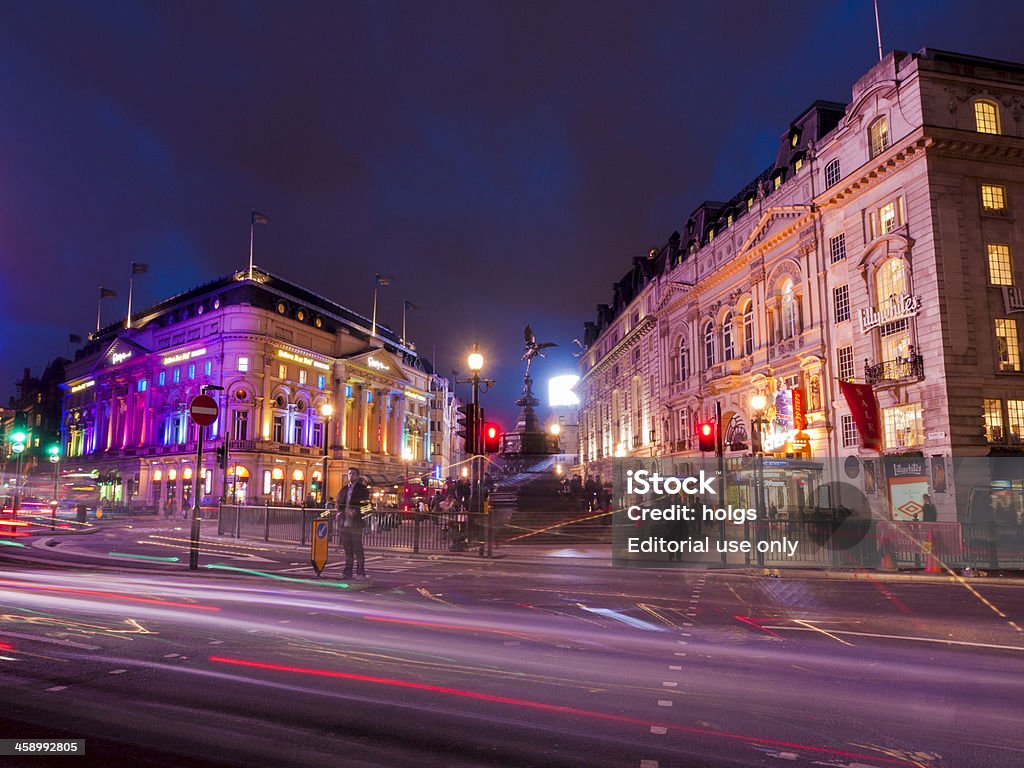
pixel 353 505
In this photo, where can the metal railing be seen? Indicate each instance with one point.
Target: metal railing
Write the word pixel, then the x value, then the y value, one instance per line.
pixel 900 369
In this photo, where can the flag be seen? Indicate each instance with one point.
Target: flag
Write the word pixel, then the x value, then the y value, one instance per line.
pixel 106 293
pixel 864 409
pixel 74 338
pixel 139 269
pixel 384 279
pixel 259 218
pixel 410 305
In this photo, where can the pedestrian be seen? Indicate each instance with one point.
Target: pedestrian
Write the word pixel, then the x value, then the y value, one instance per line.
pixel 353 504
pixel 928 512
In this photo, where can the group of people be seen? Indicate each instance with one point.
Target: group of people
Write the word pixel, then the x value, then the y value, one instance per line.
pixel 590 494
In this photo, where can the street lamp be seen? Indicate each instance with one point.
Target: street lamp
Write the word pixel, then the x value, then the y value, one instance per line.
pixel 759 402
pixel 326 410
pixel 475 361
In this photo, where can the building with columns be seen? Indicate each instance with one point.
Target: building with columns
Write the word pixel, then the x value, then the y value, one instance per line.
pixel 281 353
pixel 882 246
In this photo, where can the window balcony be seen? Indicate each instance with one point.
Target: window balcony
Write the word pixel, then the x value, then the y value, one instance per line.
pixel 241 445
pixel 902 369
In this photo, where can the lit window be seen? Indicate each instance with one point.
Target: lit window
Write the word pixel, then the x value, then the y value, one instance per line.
pixel 841 302
pixel 348 390
pixel 282 371
pixel 143 384
pixel 748 329
pixel 903 426
pixel 798 165
pixel 208 367
pixel 1007 345
pixel 192 371
pixel 278 429
pixel 879 136
pixel 302 376
pixel 788 310
pixel 162 378
pixel 845 361
pixel 728 220
pixel 776 181
pixel 986 117
pixel 728 348
pixel 832 173
pixel 794 139
pixel 750 203
pixel 887 218
pixel 709 345
pixel 243 363
pixel 850 437
pixel 1000 268
pixel 321 381
pixel 993 420
pixel 176 375
pixel 683 360
pixel 993 197
pixel 837 247
pixel 1015 424
pixel 711 234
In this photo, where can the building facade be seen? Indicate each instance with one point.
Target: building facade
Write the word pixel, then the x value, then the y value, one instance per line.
pixel 282 355
pixel 882 246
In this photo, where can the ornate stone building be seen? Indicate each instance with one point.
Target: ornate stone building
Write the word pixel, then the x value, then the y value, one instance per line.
pixel 883 245
pixel 281 353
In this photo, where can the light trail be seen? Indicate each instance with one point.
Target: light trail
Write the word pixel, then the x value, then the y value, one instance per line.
pixel 98 593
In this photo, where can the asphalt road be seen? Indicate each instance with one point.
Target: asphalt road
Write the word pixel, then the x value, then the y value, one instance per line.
pixel 508 663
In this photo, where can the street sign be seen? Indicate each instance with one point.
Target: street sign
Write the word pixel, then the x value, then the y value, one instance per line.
pixel 203 410
pixel 318 545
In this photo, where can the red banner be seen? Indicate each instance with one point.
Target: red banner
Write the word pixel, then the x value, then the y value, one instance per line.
pixel 864 408
pixel 799 419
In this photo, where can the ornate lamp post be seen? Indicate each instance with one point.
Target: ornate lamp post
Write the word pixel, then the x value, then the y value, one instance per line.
pixel 475 361
pixel 326 410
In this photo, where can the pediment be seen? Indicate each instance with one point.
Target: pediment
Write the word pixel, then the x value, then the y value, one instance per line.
pixel 119 352
pixel 378 362
pixel 776 223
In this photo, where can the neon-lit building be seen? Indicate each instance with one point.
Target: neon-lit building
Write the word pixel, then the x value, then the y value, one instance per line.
pixel 882 246
pixel 281 353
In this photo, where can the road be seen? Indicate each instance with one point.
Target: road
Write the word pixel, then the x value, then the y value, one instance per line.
pixel 515 662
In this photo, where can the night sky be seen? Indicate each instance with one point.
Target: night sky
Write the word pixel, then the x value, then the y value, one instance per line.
pixel 503 160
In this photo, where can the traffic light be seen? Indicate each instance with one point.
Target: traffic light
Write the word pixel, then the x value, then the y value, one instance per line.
pixel 19 432
pixel 492 437
pixel 466 425
pixel 222 456
pixel 706 436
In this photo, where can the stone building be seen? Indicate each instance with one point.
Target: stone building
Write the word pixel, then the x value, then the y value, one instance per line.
pixel 883 246
pixel 281 353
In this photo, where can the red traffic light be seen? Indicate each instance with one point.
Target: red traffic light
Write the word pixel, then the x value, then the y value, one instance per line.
pixel 706 430
pixel 492 437
pixel 706 436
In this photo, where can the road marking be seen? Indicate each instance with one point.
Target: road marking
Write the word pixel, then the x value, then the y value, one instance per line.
pixel 117 671
pixel 171 655
pixel 51 641
pixel 678 654
pixel 682 642
pixel 659 729
pixel 907 637
pixel 808 624
pixel 670 684
pixel 674 667
pixel 664 703
pixel 57 688
pixel 216 642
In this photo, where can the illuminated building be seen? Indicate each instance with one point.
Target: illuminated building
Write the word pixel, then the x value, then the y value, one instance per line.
pixel 280 352
pixel 882 245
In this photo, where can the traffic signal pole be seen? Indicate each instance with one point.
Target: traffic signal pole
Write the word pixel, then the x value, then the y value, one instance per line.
pixel 720 450
pixel 193 547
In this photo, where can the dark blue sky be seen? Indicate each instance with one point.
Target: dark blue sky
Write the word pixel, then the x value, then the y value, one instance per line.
pixel 505 161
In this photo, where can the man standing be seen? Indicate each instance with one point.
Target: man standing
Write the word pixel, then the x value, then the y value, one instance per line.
pixel 353 503
pixel 929 514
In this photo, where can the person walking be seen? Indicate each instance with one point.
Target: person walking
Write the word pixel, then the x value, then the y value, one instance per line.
pixel 353 504
pixel 928 512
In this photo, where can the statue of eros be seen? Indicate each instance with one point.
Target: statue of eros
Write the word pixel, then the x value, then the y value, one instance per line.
pixel 533 349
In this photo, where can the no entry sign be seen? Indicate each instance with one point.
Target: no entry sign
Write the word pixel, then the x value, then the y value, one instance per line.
pixel 203 410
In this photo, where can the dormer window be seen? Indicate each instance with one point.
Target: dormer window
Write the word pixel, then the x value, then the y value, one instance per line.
pixel 776 181
pixel 728 220
pixel 750 202
pixel 798 165
pixel 711 234
pixel 794 138
pixel 878 134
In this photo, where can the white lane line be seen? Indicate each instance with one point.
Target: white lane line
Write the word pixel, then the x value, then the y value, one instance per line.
pixel 659 729
pixel 678 654
pixel 51 641
pixel 117 671
pixel 674 667
pixel 171 655
pixel 907 637
pixel 664 703
pixel 216 642
pixel 682 642
pixel 57 688
pixel 8 658
pixel 670 684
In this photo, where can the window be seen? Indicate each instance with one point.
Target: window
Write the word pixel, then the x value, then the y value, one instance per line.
pixel 318 435
pixel 850 437
pixel 798 165
pixel 993 420
pixel 841 301
pixel 903 426
pixel 894 337
pixel 302 376
pixel 348 390
pixel 986 117
pixel 788 310
pixel 162 378
pixel 794 139
pixel 1007 346
pixel 321 381
pixel 299 432
pixel 887 218
pixel 143 385
pixel 243 363
pixel 1000 268
pixel 748 329
pixel 278 429
pixel 192 371
pixel 239 425
pixel 282 371
pixel 832 173
pixel 709 344
pixel 845 363
pixel 683 371
pixel 208 367
pixel 728 348
pixel 776 181
pixel 837 247
pixel 176 375
pixel 1015 424
pixel 879 136
pixel 993 198
pixel 750 203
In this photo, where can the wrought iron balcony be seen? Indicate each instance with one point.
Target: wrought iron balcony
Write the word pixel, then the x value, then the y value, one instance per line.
pixel 900 369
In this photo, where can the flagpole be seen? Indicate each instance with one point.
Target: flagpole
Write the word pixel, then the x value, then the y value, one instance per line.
pixel 878 30
pixel 252 225
pixel 131 283
pixel 98 305
pixel 376 282
pixel 405 306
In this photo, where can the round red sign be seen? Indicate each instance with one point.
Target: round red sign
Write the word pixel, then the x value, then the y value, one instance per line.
pixel 203 410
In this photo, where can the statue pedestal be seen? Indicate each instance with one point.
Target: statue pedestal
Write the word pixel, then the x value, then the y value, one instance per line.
pixel 529 437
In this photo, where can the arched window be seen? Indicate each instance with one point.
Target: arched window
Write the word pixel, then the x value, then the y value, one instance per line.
pixel 709 344
pixel 748 329
pixel 891 283
pixel 986 116
pixel 728 347
pixel 878 135
pixel 788 310
pixel 683 360
pixel 832 173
